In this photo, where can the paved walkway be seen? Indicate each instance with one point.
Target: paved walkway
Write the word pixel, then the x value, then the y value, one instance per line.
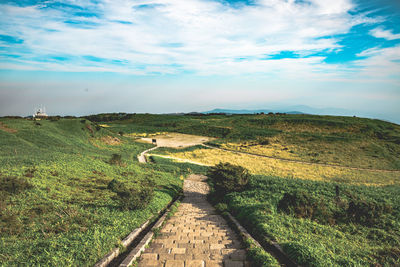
pixel 142 157
pixel 196 236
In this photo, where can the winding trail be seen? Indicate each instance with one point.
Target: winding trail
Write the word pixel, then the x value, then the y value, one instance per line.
pixel 142 157
pixel 196 236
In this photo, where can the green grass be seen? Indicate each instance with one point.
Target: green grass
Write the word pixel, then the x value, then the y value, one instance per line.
pixel 67 216
pixel 347 141
pixel 64 215
pixel 314 243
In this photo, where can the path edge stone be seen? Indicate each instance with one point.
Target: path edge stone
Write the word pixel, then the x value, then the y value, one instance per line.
pixel 271 246
pixel 114 253
pixel 136 252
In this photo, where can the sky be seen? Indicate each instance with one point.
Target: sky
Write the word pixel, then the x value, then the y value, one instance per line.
pixel 163 56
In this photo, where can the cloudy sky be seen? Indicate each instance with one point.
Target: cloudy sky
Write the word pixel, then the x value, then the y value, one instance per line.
pixel 90 56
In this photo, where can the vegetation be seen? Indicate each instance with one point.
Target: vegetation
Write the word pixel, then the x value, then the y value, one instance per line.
pixel 55 205
pixel 68 184
pixel 228 178
pixel 131 198
pixel 290 170
pixel 345 141
pixel 259 257
pixel 331 216
pixel 315 227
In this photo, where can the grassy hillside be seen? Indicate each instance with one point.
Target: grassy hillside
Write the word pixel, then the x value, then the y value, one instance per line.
pixel 316 228
pixel 55 207
pixel 286 169
pixel 345 141
pixel 357 226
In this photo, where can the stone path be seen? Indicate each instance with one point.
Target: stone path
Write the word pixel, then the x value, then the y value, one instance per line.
pixel 196 236
pixel 142 157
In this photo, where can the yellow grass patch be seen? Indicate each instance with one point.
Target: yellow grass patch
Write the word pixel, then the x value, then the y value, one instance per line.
pixel 145 134
pixel 350 154
pixel 274 167
pixel 273 150
pixel 104 125
pixel 309 128
pixel 109 140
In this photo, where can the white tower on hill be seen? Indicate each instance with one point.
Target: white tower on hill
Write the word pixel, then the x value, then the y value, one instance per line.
pixel 40 113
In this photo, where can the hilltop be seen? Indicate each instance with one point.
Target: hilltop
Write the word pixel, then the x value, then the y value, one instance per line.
pixel 347 141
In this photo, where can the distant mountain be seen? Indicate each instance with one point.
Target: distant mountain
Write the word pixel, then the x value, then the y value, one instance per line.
pixel 298 109
pixel 247 111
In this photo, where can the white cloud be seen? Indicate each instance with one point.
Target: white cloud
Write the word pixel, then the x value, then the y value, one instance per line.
pixel 386 34
pixel 380 62
pixel 206 37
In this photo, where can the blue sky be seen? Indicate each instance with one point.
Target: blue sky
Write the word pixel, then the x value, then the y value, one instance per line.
pixel 89 56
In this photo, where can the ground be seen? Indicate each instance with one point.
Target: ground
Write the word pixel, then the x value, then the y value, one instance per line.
pixel 177 140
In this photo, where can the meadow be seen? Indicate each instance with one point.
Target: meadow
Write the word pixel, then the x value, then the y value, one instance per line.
pixel 285 169
pixel 322 229
pixel 55 205
pixel 320 215
pixel 57 208
pixel 345 141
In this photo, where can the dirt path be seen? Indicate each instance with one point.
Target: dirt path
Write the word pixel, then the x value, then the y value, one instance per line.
pixel 300 161
pixel 196 235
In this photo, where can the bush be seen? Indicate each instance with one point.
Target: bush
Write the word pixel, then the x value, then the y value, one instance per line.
pixel 303 205
pixel 228 177
pixel 13 185
pixel 298 203
pixel 53 118
pixel 116 159
pixel 132 198
pixel 367 212
pixel 116 186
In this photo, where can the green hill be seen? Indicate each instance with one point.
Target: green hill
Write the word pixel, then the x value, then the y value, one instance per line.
pixel 346 141
pixel 55 207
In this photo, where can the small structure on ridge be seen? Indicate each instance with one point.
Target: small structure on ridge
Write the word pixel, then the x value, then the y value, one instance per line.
pixel 40 113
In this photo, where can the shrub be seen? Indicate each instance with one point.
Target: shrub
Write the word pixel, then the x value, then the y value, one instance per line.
pixel 303 205
pixel 116 186
pixel 228 177
pixel 30 172
pixel 298 203
pixel 13 185
pixel 367 212
pixel 9 224
pixel 132 198
pixel 53 118
pixel 116 159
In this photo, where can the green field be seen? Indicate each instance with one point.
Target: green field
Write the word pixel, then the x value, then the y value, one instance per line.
pixel 360 227
pixel 345 141
pixel 55 207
